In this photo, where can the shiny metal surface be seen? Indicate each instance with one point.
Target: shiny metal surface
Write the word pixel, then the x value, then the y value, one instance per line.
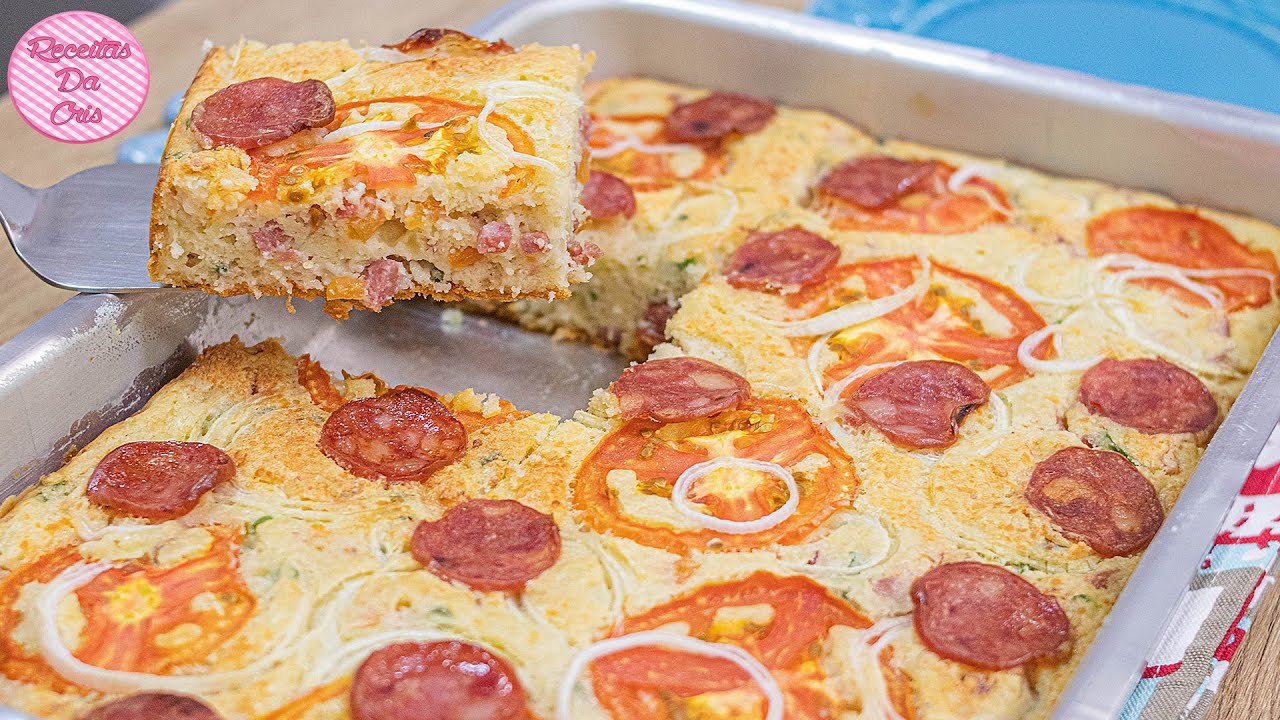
pixel 87 233
pixel 98 357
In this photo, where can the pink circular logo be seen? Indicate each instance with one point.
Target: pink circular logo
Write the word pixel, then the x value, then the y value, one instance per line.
pixel 78 77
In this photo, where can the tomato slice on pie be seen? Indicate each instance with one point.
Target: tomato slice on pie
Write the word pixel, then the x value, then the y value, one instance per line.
pixel 646 171
pixel 929 207
pixel 781 621
pixel 138 617
pixel 942 323
pixel 1188 240
pixel 643 458
pixel 426 151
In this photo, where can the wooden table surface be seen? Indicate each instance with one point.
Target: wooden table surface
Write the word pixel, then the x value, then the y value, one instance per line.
pixel 173 36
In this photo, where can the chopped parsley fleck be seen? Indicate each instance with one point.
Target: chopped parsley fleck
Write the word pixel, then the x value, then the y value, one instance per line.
pixel 1108 443
pixel 685 263
pixel 253 526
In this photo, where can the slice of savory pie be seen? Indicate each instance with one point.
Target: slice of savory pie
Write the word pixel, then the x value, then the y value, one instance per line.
pixel 445 165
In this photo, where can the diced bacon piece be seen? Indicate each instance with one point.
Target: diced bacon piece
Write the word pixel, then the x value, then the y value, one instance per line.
pixel 273 242
pixel 494 237
pixel 583 253
pixel 382 279
pixel 535 242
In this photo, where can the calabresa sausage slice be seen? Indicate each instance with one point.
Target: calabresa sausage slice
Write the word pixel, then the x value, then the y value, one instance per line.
pixel 403 435
pixel 261 111
pixel 875 181
pixel 717 115
pixel 153 706
pixel 158 480
pixel 605 196
pixel 1097 497
pixel 918 404
pixel 884 193
pixel 443 680
pixel 988 617
pixel 678 389
pixel 783 260
pixel 488 544
pixel 651 331
pixel 1151 395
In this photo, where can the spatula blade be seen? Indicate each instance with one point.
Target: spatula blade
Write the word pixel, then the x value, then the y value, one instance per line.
pixel 89 233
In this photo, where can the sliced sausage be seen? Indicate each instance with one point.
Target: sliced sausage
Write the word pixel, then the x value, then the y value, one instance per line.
pixel 1098 498
pixel 678 389
pixel 783 260
pixel 918 404
pixel 717 115
pixel 488 544
pixel 988 617
pixel 606 196
pixel 442 680
pixel 1150 395
pixel 404 435
pixel 651 331
pixel 152 706
pixel 874 182
pixel 158 480
pixel 261 111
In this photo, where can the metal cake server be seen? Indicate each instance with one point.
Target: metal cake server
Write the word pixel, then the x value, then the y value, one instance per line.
pixel 88 233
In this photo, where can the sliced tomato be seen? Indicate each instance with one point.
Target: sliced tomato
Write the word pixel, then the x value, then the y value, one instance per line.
pixel 778 431
pixel 15 662
pixel 271 171
pixel 138 617
pixel 1189 240
pixel 645 171
pixel 932 209
pixel 781 621
pixel 936 325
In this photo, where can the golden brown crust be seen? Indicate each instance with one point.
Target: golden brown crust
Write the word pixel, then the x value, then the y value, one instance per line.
pixel 453 42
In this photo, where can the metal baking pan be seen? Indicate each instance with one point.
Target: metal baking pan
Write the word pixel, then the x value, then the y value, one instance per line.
pixel 97 358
